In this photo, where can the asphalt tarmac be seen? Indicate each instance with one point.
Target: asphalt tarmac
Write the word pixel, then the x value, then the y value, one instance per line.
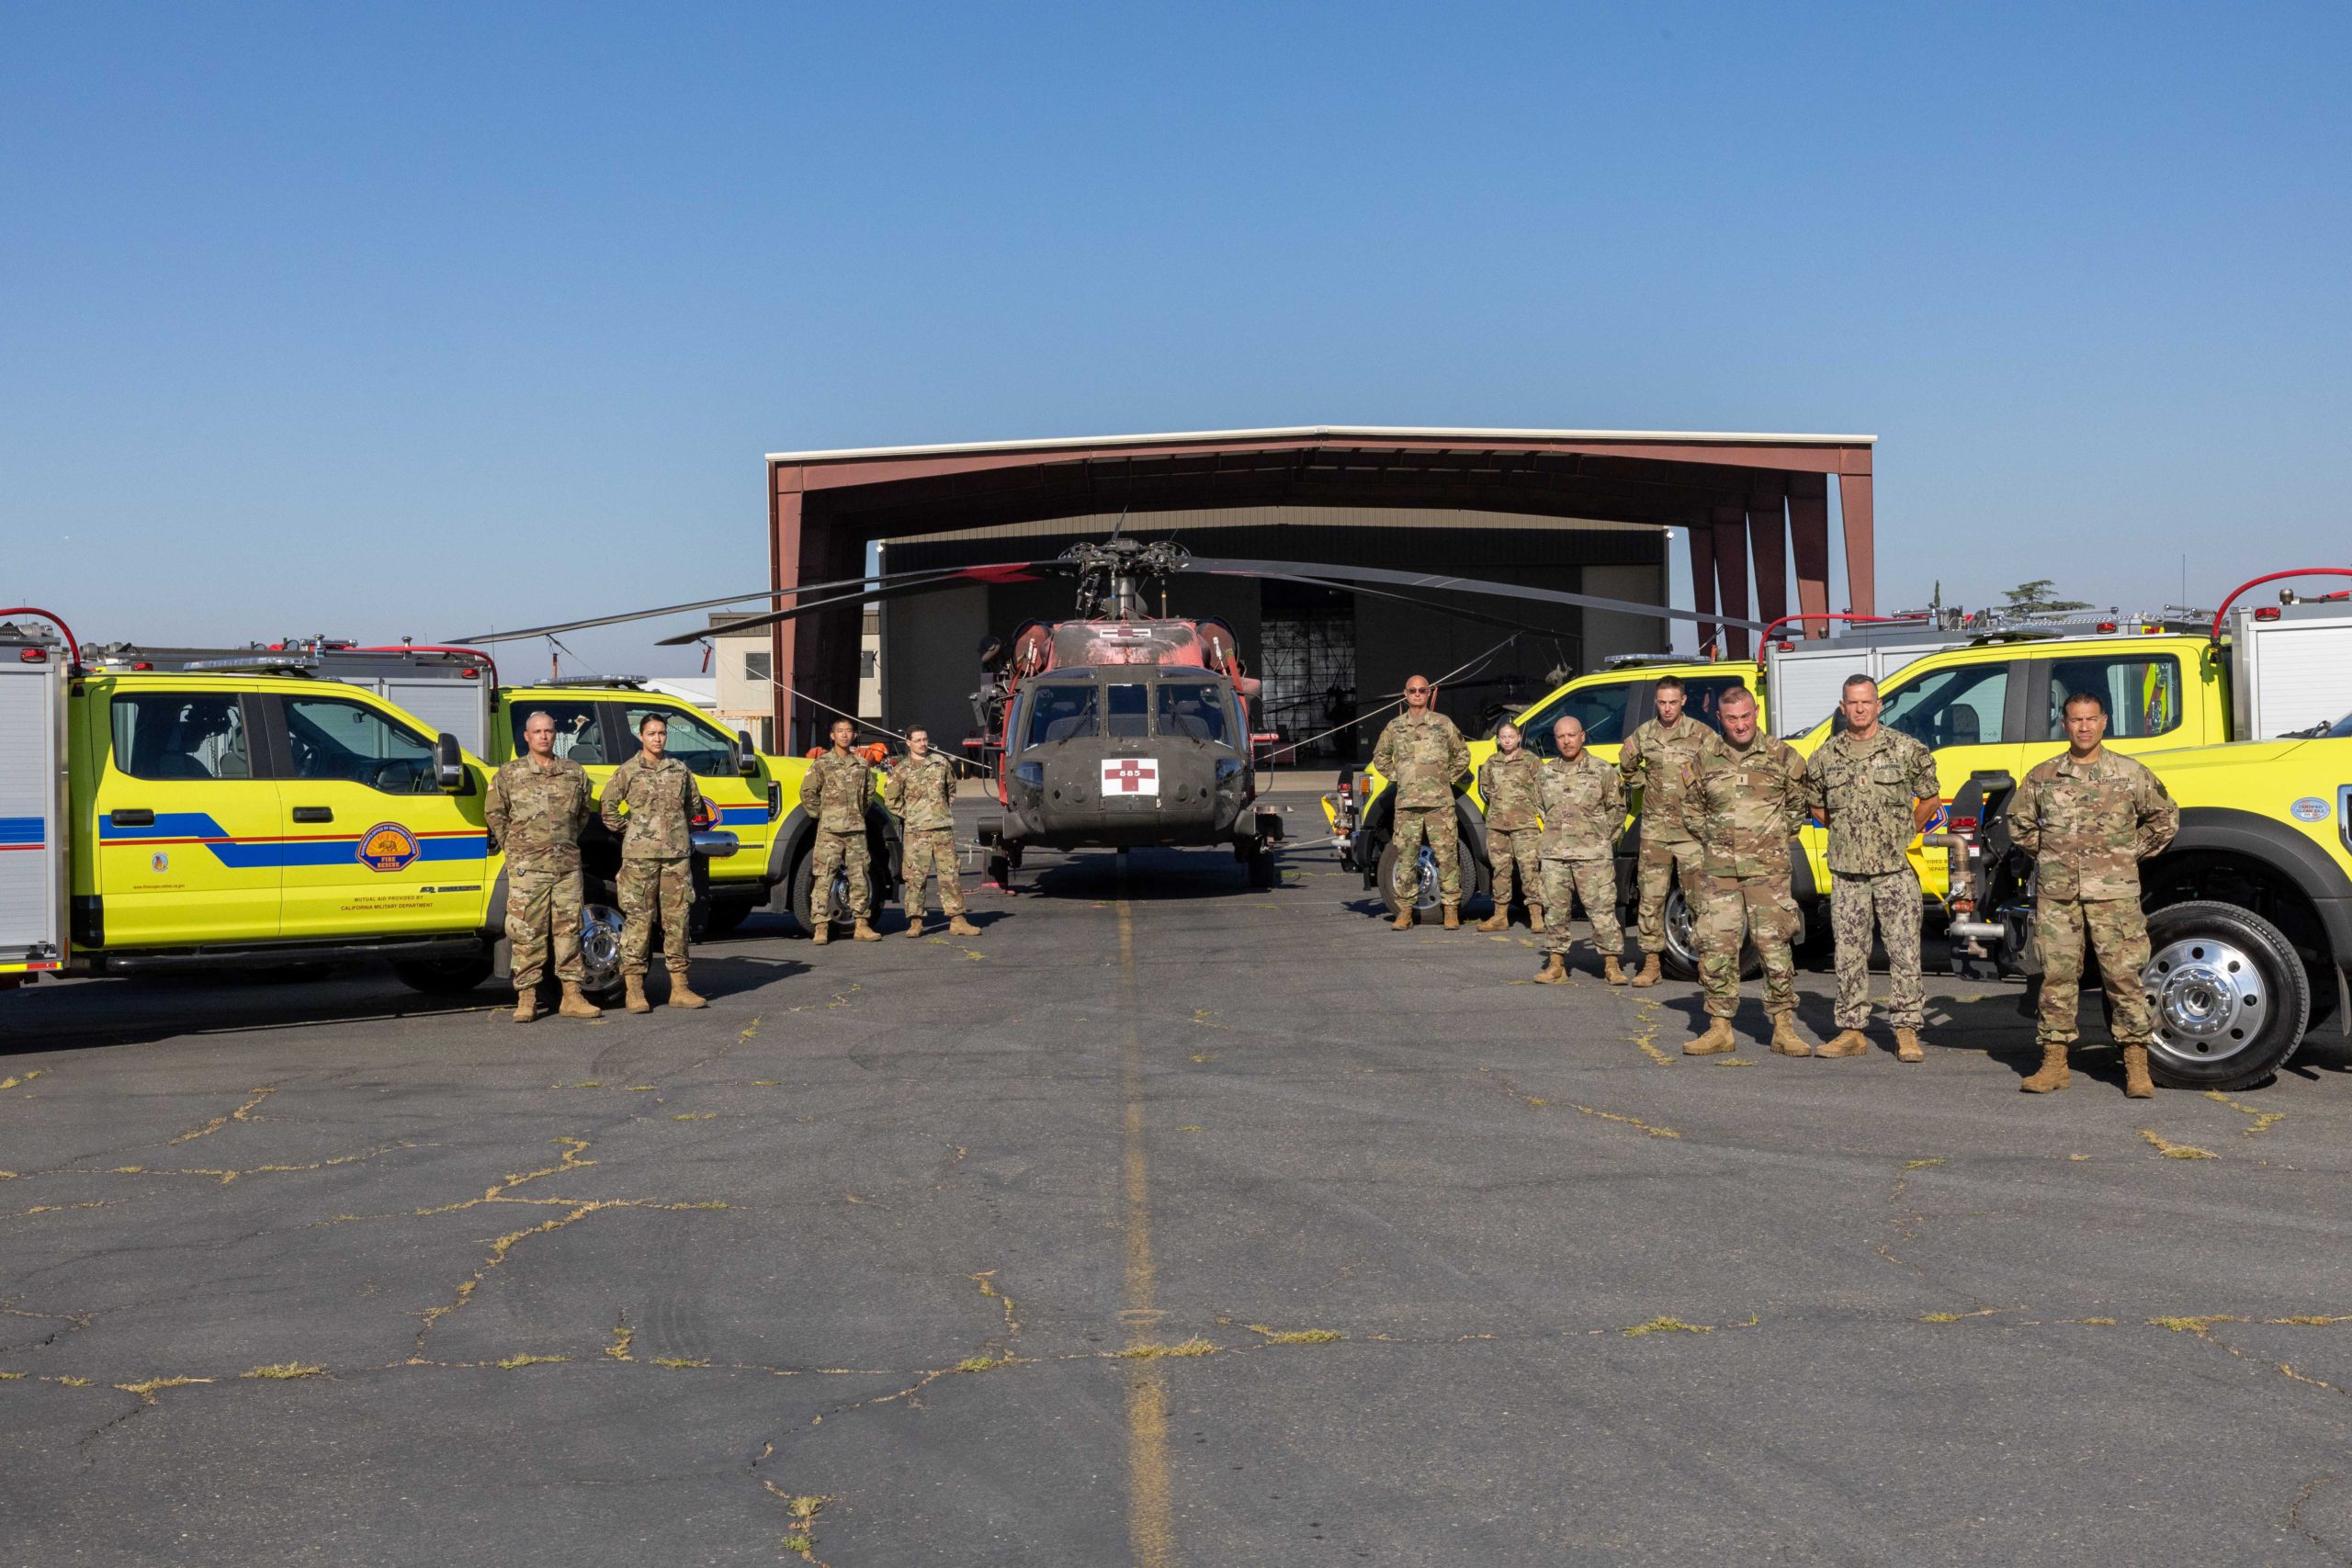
pixel 1164 1223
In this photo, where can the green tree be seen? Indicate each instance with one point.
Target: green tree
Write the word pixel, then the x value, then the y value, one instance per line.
pixel 2034 599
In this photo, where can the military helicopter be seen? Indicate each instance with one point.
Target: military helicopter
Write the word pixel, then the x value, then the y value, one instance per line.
pixel 1118 728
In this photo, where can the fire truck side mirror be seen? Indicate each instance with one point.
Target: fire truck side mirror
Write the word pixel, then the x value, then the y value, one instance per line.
pixel 449 764
pixel 747 758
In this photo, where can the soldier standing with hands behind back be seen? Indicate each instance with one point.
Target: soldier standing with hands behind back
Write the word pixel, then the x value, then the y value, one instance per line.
pixel 1875 787
pixel 921 794
pixel 834 791
pixel 536 805
pixel 657 874
pixel 1746 796
pixel 2089 819
pixel 1421 754
pixel 1583 802
pixel 1656 758
pixel 1506 782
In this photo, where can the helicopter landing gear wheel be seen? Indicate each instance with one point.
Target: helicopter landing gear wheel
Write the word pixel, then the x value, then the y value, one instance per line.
pixel 1263 871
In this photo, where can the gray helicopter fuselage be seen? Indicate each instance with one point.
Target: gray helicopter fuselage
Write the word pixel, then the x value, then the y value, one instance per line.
pixel 1128 755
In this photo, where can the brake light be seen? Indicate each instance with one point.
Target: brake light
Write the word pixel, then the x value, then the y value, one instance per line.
pixel 2107 626
pixel 33 656
pixel 1961 824
pixel 1786 647
pixel 2266 612
pixel 468 674
pixel 143 664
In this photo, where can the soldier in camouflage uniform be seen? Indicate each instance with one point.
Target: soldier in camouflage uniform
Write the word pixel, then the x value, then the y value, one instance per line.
pixel 1656 758
pixel 657 858
pixel 1420 753
pixel 1583 802
pixel 834 791
pixel 1746 796
pixel 921 793
pixel 1875 787
pixel 1507 783
pixel 536 805
pixel 2089 819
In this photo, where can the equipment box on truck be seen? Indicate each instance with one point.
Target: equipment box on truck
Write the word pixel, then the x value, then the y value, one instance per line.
pixel 32 803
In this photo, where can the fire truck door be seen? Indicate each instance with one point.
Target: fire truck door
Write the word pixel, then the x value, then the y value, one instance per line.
pixel 187 835
pixel 374 846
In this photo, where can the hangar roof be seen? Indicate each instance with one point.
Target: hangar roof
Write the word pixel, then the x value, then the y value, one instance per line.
pixel 1316 432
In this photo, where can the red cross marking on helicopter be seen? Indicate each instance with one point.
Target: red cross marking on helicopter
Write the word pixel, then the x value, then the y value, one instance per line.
pixel 1130 776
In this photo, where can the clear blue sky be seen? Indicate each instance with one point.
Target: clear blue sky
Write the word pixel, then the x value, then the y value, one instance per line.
pixel 416 318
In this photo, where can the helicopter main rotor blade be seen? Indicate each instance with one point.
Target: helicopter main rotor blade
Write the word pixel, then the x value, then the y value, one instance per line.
pixel 1436 580
pixel 933 582
pixel 625 617
pixel 1479 617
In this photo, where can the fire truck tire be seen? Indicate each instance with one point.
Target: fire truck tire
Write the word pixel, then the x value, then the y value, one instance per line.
pixel 804 898
pixel 444 976
pixel 1680 958
pixel 2231 998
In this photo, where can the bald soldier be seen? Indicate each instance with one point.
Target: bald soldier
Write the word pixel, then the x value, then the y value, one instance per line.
pixel 1744 799
pixel 1583 803
pixel 1420 753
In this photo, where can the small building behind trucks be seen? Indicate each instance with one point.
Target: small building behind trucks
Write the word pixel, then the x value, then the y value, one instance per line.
pixel 249 810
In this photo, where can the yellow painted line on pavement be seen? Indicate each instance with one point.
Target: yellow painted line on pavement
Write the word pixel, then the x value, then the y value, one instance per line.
pixel 1149 1534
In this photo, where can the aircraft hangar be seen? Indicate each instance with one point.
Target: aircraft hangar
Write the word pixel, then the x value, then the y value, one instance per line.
pixel 1591 511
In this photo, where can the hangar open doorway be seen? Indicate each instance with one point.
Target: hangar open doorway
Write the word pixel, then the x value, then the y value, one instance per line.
pixel 1587 511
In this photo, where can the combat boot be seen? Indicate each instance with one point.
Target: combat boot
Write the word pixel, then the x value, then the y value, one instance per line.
pixel 914 925
pixel 575 1003
pixel 1787 1042
pixel 2137 1085
pixel 1649 974
pixel 958 926
pixel 1495 921
pixel 824 933
pixel 2053 1075
pixel 865 933
pixel 1535 918
pixel 1554 972
pixel 681 994
pixel 1452 917
pixel 527 1003
pixel 1404 920
pixel 1907 1047
pixel 1715 1043
pixel 1846 1042
pixel 634 985
pixel 1610 971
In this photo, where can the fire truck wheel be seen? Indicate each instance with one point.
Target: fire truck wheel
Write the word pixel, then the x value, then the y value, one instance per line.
pixel 2231 999
pixel 1425 889
pixel 1680 958
pixel 444 976
pixel 804 898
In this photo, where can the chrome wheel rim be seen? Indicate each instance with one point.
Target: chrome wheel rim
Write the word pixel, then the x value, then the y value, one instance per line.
pixel 2209 998
pixel 1681 927
pixel 1424 892
pixel 600 945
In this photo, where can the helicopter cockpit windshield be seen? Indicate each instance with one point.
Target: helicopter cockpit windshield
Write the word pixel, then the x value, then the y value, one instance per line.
pixel 1061 712
pixel 1128 710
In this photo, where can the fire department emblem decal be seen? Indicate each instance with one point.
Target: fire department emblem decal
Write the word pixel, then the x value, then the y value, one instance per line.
pixel 1130 776
pixel 2311 808
pixel 159 861
pixel 386 846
